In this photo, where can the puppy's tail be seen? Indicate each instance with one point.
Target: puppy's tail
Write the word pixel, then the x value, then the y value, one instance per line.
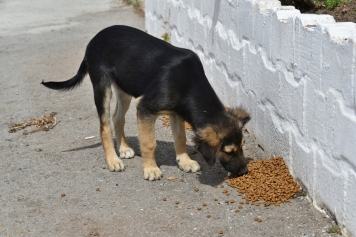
pixel 71 83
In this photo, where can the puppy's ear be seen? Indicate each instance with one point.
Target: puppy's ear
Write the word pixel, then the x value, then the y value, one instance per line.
pixel 241 114
pixel 209 136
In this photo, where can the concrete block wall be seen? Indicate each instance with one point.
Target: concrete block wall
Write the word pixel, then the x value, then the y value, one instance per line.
pixel 295 74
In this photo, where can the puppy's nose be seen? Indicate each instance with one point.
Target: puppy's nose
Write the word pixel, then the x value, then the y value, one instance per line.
pixel 243 171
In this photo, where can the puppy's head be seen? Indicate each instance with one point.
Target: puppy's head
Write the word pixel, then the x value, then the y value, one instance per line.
pixel 224 141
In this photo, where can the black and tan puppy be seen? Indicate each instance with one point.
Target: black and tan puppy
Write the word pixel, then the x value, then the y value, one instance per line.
pixel 164 80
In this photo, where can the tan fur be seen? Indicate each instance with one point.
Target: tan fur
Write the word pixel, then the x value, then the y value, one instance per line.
pixel 148 147
pixel 209 135
pixel 179 136
pixel 241 114
pixel 229 148
pixel 122 105
pixel 112 160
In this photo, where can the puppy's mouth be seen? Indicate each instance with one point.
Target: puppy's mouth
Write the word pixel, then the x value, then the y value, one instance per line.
pixel 234 168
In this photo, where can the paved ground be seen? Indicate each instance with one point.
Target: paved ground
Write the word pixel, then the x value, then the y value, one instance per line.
pixel 46 40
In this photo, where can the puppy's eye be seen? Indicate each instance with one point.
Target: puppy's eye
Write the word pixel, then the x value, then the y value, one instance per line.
pixel 229 153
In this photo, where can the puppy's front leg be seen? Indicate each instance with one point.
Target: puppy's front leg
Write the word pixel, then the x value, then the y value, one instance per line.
pixel 178 130
pixel 148 146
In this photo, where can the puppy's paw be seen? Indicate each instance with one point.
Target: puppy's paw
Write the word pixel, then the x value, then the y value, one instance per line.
pixel 116 165
pixel 127 153
pixel 188 165
pixel 152 173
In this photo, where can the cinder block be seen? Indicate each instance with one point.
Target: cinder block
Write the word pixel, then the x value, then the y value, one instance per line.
pixel 338 65
pixel 307 51
pixel 237 63
pixel 283 36
pixel 330 183
pixel 246 20
pixel 350 194
pixel 291 95
pixel 344 132
pixel 303 162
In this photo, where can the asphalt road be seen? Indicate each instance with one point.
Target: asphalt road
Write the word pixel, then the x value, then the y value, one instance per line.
pixel 53 183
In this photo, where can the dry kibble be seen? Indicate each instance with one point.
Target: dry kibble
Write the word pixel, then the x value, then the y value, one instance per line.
pixel 266 180
pixel 204 205
pixel 196 189
pixel 181 180
pixel 97 189
pixel 63 194
pixel 96 233
pixel 226 201
pixel 199 208
pixel 216 186
pixel 208 216
pixel 242 202
pixel 177 202
pixel 237 210
pixel 221 186
pixel 221 232
pixel 256 219
pixel 240 207
pixel 215 199
pixel 227 194
pixel 232 201
pixel 225 191
pixel 164 199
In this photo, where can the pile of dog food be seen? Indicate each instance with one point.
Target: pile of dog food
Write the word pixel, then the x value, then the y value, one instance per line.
pixel 266 180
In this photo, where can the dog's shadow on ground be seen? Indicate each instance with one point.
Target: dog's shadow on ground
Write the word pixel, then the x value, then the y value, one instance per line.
pixel 165 155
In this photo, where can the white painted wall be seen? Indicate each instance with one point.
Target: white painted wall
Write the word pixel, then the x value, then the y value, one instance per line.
pixel 295 73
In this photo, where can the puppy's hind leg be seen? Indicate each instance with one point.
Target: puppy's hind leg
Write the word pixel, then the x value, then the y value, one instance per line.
pixel 102 98
pixel 178 131
pixel 122 105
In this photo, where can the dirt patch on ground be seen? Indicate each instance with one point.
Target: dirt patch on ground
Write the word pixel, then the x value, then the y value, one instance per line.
pixel 342 12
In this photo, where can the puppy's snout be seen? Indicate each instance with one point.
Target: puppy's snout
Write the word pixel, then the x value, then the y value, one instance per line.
pixel 243 171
